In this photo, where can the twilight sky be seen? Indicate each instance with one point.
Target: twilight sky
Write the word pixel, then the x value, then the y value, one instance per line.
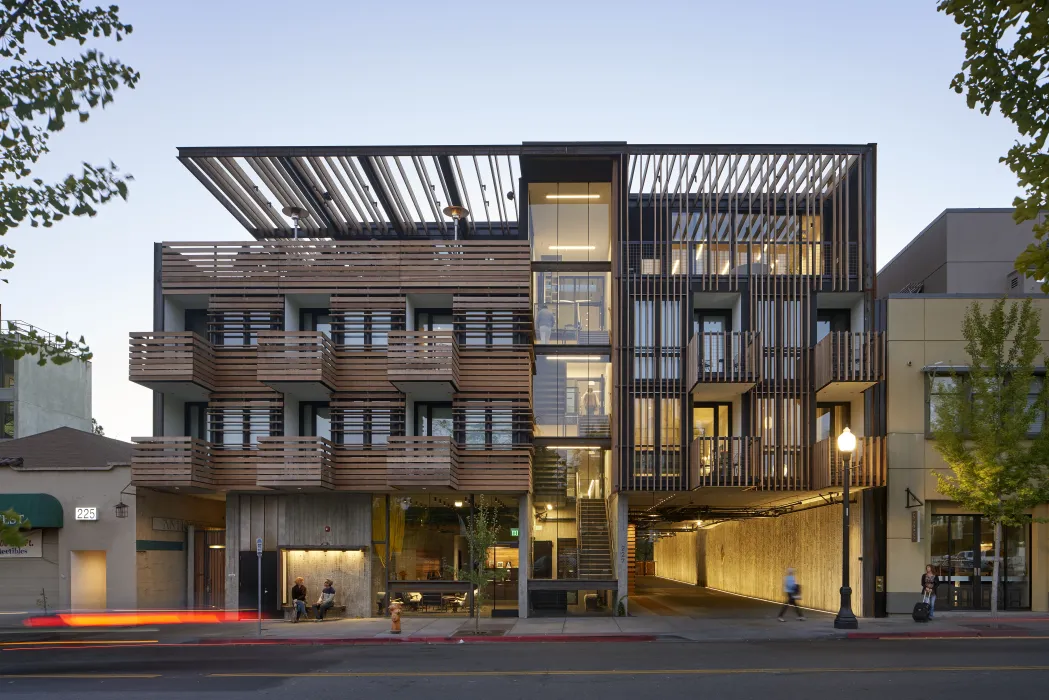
pixel 262 72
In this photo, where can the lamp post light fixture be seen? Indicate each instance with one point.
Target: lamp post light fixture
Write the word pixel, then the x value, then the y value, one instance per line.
pixel 456 212
pixel 296 214
pixel 846 619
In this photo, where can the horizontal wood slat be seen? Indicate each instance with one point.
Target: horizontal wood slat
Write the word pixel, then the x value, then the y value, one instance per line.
pixel 732 357
pixel 171 462
pixel 867 465
pixel 422 356
pixel 496 372
pixel 414 462
pixel 295 463
pixel 844 356
pixel 725 461
pixel 296 356
pixel 327 266
pixel 179 356
pixel 495 471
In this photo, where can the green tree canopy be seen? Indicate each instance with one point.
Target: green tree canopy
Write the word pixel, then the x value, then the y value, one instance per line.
pixel 1006 68
pixel 37 96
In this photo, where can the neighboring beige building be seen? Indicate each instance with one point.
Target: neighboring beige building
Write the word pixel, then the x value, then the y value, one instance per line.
pixel 924 339
pixel 85 553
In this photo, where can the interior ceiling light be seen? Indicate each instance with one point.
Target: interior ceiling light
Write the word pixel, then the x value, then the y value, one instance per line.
pixel 573 196
pixel 570 358
pixel 549 506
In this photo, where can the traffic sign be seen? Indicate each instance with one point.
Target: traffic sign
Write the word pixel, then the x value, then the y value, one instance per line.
pixel 258 546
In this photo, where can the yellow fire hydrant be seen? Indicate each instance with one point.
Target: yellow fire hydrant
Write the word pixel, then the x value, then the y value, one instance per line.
pixel 395 618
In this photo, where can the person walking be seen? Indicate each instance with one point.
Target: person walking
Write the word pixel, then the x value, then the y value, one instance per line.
pixel 544 320
pixel 298 598
pixel 327 599
pixel 930 581
pixel 793 593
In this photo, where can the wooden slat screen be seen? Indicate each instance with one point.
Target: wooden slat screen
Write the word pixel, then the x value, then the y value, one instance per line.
pixel 179 356
pixel 844 356
pixel 867 465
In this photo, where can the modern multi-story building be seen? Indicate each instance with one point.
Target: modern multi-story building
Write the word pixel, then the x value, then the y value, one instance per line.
pixel 35 398
pixel 965 255
pixel 597 338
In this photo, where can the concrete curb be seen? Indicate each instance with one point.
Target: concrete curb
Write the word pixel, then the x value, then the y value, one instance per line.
pixel 519 639
pixel 947 634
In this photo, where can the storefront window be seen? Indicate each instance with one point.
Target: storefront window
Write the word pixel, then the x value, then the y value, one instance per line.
pixel 569 221
pixel 572 395
pixel 961 553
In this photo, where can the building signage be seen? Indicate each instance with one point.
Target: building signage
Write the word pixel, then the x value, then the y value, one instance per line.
pixel 916 531
pixel 169 525
pixel 513 532
pixel 85 513
pixel 29 550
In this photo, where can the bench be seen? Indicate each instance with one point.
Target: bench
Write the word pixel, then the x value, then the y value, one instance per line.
pixel 335 612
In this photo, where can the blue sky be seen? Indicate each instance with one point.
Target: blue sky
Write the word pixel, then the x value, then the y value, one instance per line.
pixel 261 72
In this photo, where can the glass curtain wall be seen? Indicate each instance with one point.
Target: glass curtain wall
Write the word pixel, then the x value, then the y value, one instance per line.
pixel 961 552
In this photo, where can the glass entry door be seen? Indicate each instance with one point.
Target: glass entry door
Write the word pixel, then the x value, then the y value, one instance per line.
pixel 962 554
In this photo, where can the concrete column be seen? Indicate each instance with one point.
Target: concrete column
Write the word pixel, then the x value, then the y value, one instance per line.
pixel 619 510
pixel 232 551
pixel 190 534
pixel 524 552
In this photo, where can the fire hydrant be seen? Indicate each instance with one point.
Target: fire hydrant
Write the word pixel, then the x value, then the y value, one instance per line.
pixel 395 618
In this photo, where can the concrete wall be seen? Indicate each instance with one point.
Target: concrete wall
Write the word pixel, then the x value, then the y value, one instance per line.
pixel 923 259
pixel 750 557
pixel 677 557
pixel 52 396
pixel 921 332
pixel 115 536
pixel 163 573
pixel 303 520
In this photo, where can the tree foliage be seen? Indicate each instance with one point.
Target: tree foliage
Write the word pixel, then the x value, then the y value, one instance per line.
pixel 982 422
pixel 96 428
pixel 36 98
pixel 12 525
pixel 19 340
pixel 1007 67
pixel 481 530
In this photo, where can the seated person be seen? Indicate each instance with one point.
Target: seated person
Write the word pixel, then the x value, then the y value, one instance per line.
pixel 298 598
pixel 326 600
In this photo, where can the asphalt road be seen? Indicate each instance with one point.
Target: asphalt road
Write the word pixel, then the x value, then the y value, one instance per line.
pixel 864 669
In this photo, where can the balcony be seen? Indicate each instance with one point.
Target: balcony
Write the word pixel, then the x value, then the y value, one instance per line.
pixel 424 363
pixel 868 464
pixel 722 366
pixel 300 363
pixel 422 463
pixel 295 464
pixel 725 461
pixel 496 471
pixel 172 463
pixel 847 364
pixel 180 362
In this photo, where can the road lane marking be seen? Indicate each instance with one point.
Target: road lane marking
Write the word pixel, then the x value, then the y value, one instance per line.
pixel 622 672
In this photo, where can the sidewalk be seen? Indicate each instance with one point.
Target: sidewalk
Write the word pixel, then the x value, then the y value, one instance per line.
pixel 649 628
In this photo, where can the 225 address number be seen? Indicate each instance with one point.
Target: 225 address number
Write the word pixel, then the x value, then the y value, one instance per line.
pixel 86 514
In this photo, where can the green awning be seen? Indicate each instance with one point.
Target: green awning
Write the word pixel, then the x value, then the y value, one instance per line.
pixel 40 509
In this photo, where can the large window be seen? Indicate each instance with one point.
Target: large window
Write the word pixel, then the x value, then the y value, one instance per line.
pixel 315 320
pixel 433 419
pixel 961 553
pixel 239 428
pixel 569 221
pixel 831 420
pixel 572 308
pixel 572 395
pixel 364 328
pixel 938 387
pixel 366 427
pixel 7 372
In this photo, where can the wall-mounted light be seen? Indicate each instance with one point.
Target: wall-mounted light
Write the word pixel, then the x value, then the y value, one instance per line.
pixel 216 546
pixel 549 506
pixel 458 504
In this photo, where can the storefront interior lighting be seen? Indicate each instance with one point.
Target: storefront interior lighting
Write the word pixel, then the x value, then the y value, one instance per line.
pixel 573 196
pixel 573 447
pixel 573 247
pixel 216 546
pixel 458 504
pixel 576 358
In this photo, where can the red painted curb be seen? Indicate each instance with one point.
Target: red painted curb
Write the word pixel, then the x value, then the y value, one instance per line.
pixel 520 639
pixel 955 634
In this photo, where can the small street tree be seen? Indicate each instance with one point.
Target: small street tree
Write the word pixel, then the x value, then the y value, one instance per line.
pixel 12 525
pixel 481 530
pixel 983 422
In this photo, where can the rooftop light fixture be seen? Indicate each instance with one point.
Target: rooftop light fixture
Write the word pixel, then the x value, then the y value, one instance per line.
pixel 456 212
pixel 296 213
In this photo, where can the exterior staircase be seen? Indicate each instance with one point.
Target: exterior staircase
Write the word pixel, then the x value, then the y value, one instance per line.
pixel 595 545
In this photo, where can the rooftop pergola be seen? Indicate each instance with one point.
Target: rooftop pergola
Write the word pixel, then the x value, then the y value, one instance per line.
pixel 353 192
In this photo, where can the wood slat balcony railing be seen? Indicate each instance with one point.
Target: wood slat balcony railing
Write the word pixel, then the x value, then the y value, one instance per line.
pixel 867 466
pixel 322 266
pixel 172 462
pixel 844 356
pixel 495 471
pixel 176 356
pixel 415 462
pixel 728 357
pixel 295 463
pixel 296 356
pixel 725 461
pixel 422 356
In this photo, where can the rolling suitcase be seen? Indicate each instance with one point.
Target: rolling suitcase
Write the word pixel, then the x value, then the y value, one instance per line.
pixel 921 610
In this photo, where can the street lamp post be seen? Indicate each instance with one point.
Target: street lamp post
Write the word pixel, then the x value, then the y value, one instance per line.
pixel 846 619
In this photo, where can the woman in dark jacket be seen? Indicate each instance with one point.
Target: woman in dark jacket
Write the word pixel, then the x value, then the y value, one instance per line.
pixel 930 581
